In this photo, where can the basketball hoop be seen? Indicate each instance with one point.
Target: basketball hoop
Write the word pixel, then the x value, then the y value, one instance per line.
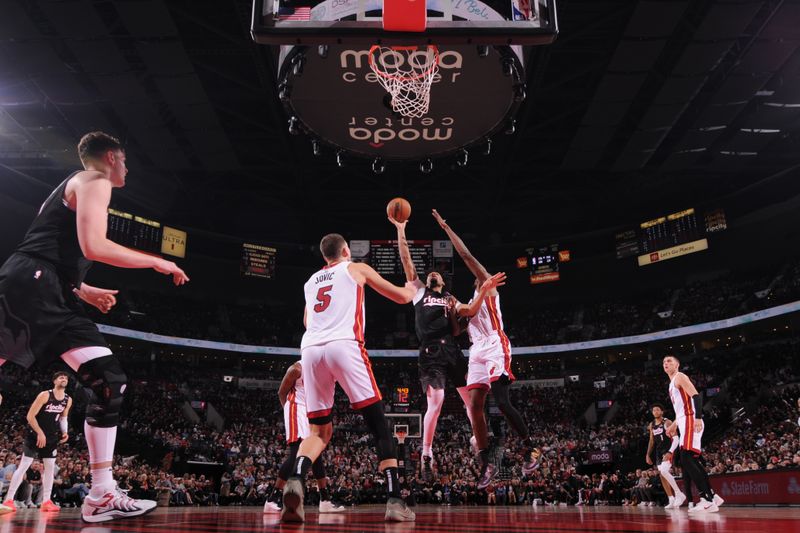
pixel 407 73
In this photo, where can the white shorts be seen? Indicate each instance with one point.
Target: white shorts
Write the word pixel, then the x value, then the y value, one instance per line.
pixel 690 440
pixel 295 420
pixel 344 362
pixel 489 360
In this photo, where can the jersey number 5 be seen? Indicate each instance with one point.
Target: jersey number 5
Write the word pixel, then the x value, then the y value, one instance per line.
pixel 323 299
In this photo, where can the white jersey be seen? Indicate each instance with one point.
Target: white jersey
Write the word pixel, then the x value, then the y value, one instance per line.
pixel 334 307
pixel 488 322
pixel 681 401
pixel 299 391
pixel 295 415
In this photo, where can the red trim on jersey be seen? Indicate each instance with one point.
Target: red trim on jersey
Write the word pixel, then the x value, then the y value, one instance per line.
pixel 688 408
pixel 494 317
pixel 319 414
pixel 688 438
pixel 358 332
pixel 358 322
pixel 291 431
pixel 366 403
pixel 478 386
pixel 375 389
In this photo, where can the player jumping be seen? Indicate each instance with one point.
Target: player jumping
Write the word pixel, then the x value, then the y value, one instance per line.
pixel 436 315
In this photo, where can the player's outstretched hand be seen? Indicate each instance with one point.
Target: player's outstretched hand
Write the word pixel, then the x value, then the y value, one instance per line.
pixel 442 222
pixel 399 225
pixel 163 266
pixel 498 280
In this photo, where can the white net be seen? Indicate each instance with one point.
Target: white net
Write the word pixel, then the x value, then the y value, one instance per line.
pixel 406 72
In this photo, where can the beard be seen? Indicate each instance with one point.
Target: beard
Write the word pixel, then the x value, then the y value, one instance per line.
pixel 434 284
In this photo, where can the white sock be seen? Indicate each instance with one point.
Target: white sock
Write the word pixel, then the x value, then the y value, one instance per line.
pixel 101 450
pixel 19 474
pixel 47 478
pixel 427 450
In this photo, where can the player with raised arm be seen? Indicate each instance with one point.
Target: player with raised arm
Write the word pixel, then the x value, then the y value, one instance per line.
pixel 333 352
pixel 41 318
pixel 47 417
pixel 292 395
pixel 688 405
pixel 436 319
pixel 660 450
pixel 490 355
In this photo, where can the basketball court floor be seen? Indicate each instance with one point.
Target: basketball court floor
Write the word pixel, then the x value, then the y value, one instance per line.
pixel 429 519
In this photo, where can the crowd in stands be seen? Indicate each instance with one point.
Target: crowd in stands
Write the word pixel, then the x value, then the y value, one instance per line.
pixel 725 296
pixel 758 395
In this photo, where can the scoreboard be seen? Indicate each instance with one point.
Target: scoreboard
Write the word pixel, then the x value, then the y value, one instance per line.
pixel 665 232
pixel 144 234
pixel 400 399
pixel 383 256
pixel 543 263
pixel 258 261
pixel 669 236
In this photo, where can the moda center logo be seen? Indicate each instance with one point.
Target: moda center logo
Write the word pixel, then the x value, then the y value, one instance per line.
pixel 340 100
pixel 425 129
pixel 375 132
pixel 354 62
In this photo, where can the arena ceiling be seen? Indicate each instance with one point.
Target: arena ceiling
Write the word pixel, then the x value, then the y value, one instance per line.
pixel 638 108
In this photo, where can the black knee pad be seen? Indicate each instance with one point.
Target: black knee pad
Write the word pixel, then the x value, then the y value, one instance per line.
pixel 318 468
pixel 286 468
pixel 500 389
pixel 105 383
pixel 375 419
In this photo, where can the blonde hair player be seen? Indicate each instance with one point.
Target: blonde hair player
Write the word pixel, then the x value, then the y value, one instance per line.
pixel 688 405
pixel 440 359
pixel 40 288
pixel 333 352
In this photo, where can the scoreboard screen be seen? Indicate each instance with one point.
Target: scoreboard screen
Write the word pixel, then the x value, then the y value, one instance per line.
pixel 134 231
pixel 384 257
pixel 669 236
pixel 543 263
pixel 627 244
pixel 143 234
pixel 400 399
pixel 672 230
pixel 258 261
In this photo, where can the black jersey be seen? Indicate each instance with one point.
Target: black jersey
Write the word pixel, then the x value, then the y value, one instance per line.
pixel 53 237
pixel 661 441
pixel 48 416
pixel 432 321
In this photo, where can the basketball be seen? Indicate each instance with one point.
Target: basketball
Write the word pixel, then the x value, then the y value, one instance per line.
pixel 399 209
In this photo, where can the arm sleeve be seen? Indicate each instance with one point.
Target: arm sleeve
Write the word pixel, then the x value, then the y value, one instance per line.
pixel 63 424
pixel 675 443
pixel 697 402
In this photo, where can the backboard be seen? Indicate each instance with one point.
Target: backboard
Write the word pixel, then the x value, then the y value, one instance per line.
pixel 411 423
pixel 311 22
